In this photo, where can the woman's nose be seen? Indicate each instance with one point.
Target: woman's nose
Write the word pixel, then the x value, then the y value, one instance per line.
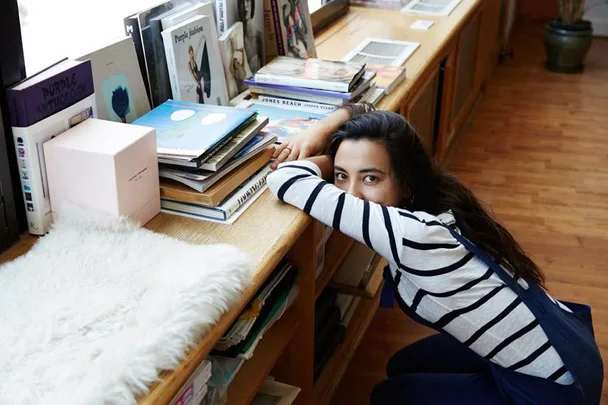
pixel 354 189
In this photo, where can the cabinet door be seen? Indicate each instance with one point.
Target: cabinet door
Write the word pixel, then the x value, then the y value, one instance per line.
pixel 488 46
pixel 466 66
pixel 422 109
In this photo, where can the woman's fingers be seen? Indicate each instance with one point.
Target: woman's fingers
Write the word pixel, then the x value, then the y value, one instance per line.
pixel 280 149
pixel 282 155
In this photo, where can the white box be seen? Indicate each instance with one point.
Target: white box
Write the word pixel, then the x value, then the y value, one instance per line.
pixel 106 166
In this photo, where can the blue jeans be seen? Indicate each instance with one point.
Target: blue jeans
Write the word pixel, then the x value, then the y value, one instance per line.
pixel 437 370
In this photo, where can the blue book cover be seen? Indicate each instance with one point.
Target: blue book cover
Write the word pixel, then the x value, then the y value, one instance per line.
pixel 284 122
pixel 191 130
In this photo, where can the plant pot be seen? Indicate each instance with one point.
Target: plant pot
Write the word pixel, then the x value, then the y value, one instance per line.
pixel 566 45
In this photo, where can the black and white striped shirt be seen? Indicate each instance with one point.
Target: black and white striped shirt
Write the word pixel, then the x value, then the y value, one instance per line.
pixel 436 276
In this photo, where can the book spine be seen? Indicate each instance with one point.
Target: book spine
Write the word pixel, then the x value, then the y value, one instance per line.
pixel 256 182
pixel 132 30
pixel 171 65
pixel 305 105
pixel 30 176
pixel 221 16
pixel 256 92
pixel 299 82
pixel 270 34
pixel 276 17
pixel 43 99
pixel 157 62
pixel 17 108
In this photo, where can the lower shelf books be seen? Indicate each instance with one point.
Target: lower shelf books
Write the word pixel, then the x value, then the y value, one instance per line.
pixel 275 393
pixel 274 297
pixel 195 389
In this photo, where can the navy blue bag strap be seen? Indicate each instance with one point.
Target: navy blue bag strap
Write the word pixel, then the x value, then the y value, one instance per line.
pixel 486 259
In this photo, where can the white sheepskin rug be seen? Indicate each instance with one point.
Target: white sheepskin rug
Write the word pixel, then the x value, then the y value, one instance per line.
pixel 98 307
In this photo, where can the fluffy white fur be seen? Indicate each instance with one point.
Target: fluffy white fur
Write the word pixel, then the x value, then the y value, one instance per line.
pixel 99 306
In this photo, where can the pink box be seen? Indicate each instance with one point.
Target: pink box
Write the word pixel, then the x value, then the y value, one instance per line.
pixel 106 166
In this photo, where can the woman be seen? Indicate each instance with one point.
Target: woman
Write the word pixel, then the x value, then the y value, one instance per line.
pixel 254 39
pixel 200 74
pixel 502 339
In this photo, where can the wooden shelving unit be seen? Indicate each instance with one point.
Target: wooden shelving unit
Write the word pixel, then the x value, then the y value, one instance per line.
pixel 253 372
pixel 367 291
pixel 334 369
pixel 336 248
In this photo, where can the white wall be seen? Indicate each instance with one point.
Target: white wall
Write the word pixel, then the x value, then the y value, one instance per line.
pixel 55 29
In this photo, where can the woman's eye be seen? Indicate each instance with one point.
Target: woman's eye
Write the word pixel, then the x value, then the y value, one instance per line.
pixel 340 176
pixel 370 179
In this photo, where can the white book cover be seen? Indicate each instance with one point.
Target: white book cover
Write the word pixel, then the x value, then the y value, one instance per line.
pixel 202 8
pixel 119 87
pixel 236 67
pixel 296 28
pixel 381 51
pixel 251 14
pixel 195 66
pixel 431 7
pixel 309 106
pixel 30 157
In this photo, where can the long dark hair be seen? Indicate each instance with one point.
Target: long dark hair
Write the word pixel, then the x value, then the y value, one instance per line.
pixel 432 189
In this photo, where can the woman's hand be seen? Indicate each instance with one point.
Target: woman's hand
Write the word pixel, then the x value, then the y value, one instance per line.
pixel 312 141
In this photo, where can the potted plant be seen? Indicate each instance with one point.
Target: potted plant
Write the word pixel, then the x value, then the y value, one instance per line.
pixel 568 38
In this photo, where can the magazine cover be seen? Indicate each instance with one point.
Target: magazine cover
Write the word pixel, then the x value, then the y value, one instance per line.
pixel 195 67
pixel 296 28
pixel 190 129
pixel 251 14
pixel 311 72
pixel 232 49
pixel 284 122
pixel 158 90
pixel 119 87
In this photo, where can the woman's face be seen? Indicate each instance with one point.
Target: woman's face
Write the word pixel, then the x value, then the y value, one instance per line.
pixel 247 7
pixel 362 168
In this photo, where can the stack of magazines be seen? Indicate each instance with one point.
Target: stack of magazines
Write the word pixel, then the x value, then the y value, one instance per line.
pixel 312 84
pixel 213 159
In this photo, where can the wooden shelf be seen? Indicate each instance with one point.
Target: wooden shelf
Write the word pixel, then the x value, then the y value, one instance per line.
pixel 253 372
pixel 336 248
pixel 367 291
pixel 336 366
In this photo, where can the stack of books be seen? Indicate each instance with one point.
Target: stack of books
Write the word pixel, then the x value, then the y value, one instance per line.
pixel 213 159
pixel 313 85
pixel 329 329
pixel 238 344
pixel 272 300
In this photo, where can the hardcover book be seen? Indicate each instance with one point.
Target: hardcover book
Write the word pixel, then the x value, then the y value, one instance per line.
pixel 311 73
pixel 29 149
pixel 284 122
pixel 251 14
pixel 159 87
pixel 196 9
pixel 195 66
pixel 293 28
pixel 49 91
pixel 120 92
pixel 236 67
pixel 192 130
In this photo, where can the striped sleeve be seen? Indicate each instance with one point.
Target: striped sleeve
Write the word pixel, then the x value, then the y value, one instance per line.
pixel 378 226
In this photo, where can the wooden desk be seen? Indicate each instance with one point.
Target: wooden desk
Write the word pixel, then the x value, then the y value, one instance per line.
pixel 450 66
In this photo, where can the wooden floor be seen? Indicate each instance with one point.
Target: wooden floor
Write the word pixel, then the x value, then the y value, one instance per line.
pixel 537 153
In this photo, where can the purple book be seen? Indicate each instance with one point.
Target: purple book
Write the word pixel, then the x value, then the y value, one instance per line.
pixel 362 84
pixel 49 91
